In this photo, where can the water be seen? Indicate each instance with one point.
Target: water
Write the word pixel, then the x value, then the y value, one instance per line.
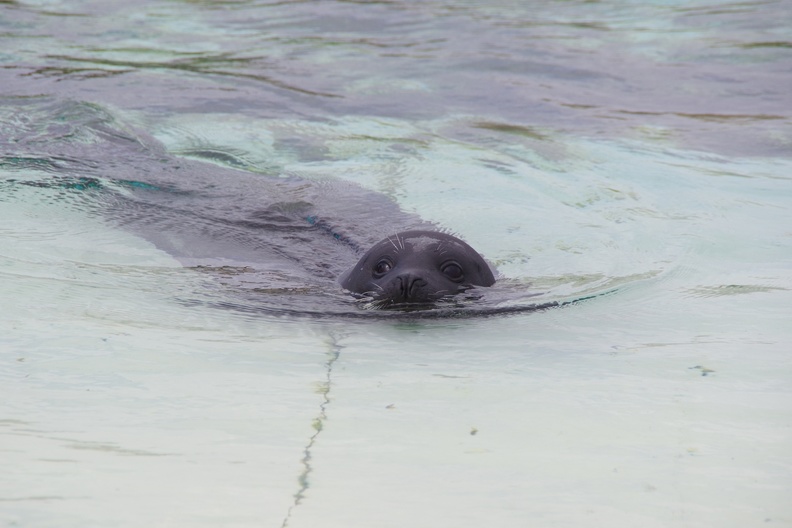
pixel 635 150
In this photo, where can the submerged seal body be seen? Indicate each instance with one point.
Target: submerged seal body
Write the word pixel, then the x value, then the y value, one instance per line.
pixel 417 267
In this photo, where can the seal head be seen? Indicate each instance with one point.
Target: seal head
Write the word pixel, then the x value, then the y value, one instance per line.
pixel 417 267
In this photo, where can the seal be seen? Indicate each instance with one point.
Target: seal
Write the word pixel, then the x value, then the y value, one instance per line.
pixel 417 267
pixel 272 243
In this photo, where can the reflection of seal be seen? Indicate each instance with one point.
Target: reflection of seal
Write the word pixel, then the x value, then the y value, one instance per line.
pixel 417 267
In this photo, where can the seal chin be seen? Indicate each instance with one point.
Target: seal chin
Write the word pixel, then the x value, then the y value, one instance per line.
pixel 400 305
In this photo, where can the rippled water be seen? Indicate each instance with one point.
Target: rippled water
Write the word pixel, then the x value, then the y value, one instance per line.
pixel 636 152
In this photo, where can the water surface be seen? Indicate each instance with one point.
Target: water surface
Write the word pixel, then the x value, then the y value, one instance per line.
pixel 638 150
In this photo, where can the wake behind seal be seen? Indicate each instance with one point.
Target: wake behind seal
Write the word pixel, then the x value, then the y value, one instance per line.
pixel 417 267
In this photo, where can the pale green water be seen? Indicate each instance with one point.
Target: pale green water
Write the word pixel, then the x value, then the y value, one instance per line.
pixel 642 149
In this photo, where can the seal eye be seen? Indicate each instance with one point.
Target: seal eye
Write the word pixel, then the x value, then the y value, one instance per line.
pixel 382 267
pixel 453 271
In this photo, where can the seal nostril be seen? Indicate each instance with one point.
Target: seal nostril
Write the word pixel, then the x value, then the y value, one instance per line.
pixel 411 287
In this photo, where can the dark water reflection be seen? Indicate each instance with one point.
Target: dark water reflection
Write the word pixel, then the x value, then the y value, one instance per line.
pixel 701 75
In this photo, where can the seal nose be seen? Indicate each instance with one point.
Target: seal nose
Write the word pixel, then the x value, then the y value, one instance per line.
pixel 410 286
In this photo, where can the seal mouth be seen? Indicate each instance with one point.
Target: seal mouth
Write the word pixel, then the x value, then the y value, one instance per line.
pixel 409 293
pixel 402 306
pixel 380 301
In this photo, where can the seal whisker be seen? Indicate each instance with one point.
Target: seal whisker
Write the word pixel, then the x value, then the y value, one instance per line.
pixel 372 293
pixel 393 243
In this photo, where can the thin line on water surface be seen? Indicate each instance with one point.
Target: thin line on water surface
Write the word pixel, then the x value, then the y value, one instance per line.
pixel 333 352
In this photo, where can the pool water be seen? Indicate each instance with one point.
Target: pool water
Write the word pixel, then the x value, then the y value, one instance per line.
pixel 639 153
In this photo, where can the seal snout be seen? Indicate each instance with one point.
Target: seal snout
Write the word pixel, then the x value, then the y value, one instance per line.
pixel 410 286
